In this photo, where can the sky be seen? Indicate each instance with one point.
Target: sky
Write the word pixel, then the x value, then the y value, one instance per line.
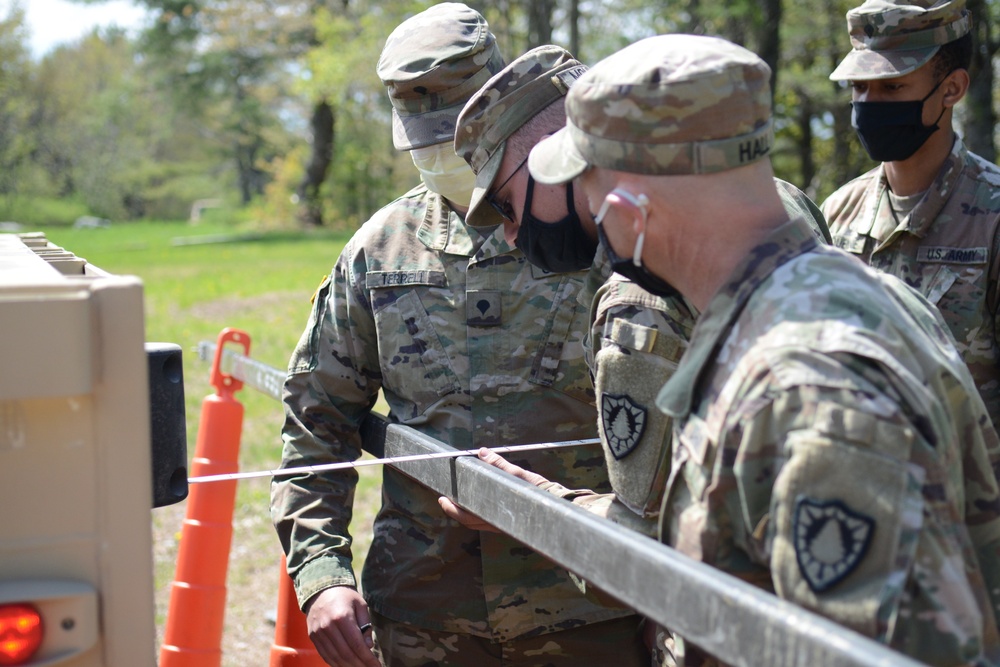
pixel 54 22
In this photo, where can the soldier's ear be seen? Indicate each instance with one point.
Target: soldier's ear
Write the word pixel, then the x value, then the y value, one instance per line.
pixel 635 205
pixel 955 86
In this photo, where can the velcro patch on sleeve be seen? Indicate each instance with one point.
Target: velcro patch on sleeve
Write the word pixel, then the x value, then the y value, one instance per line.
pixel 846 522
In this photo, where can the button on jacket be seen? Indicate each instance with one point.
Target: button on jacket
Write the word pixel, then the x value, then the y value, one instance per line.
pixel 472 345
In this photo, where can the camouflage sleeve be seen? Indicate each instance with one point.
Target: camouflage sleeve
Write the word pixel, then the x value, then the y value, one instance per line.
pixel 642 338
pixel 333 382
pixel 993 293
pixel 604 505
pixel 852 512
pixel 598 275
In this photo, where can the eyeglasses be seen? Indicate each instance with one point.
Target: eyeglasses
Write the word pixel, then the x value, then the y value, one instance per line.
pixel 505 211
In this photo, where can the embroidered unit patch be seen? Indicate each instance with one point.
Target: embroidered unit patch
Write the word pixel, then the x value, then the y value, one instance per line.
pixel 830 541
pixel 622 423
pixel 484 308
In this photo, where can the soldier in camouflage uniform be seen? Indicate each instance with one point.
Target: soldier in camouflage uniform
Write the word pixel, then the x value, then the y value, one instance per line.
pixel 634 334
pixel 469 344
pixel 930 213
pixel 828 443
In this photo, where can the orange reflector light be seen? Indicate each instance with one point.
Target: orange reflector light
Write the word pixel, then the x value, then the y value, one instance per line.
pixel 20 633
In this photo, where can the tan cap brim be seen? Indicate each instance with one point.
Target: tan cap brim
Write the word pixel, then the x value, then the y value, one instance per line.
pixel 411 131
pixel 480 213
pixel 556 160
pixel 868 65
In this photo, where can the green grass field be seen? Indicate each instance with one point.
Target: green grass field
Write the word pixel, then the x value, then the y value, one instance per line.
pixel 198 280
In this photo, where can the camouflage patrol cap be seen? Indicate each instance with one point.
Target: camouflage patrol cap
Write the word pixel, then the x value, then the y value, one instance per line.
pixel 666 105
pixel 509 100
pixel 432 63
pixel 890 38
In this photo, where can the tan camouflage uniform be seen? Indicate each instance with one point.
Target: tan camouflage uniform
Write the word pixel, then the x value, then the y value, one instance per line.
pixel 636 341
pixel 634 334
pixel 824 442
pixel 948 246
pixel 473 346
pixel 830 451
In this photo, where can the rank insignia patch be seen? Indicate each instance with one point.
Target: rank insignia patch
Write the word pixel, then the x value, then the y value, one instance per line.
pixel 622 423
pixel 484 308
pixel 830 540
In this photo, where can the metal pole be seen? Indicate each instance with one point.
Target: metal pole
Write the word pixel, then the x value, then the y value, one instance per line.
pixel 729 618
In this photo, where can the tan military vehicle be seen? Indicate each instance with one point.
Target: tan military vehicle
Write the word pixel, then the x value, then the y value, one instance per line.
pixel 76 451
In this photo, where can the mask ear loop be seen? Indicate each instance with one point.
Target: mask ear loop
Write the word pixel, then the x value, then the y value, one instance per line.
pixel 928 96
pixel 641 202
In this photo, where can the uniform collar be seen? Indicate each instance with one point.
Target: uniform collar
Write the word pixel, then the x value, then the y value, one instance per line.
pixel 782 245
pixel 922 217
pixel 443 230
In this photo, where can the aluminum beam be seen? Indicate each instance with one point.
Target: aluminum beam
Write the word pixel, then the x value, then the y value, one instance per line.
pixel 729 618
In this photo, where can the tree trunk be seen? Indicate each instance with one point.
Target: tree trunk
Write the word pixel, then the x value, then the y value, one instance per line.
pixel 322 125
pixel 769 38
pixel 805 119
pixel 540 22
pixel 574 28
pixel 981 116
pixel 843 133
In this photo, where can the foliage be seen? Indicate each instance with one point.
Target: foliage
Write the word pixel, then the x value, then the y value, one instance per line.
pixel 15 107
pixel 260 283
pixel 228 64
pixel 363 175
pixel 218 98
pixel 34 211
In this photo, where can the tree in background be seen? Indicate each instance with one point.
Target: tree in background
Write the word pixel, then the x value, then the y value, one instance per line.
pixel 277 103
pixel 15 106
pixel 322 125
pixel 228 63
pixel 979 119
pixel 364 173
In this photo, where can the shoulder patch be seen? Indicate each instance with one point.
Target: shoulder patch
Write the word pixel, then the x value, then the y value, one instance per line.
pixel 622 423
pixel 319 287
pixel 830 540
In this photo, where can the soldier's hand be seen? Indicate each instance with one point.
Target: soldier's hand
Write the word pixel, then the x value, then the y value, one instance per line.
pixel 470 520
pixel 498 461
pixel 334 618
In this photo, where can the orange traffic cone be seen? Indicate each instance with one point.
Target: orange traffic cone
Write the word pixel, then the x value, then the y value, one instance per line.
pixel 193 633
pixel 292 646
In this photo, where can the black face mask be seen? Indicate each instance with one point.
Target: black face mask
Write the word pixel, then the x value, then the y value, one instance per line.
pixel 557 247
pixel 633 268
pixel 892 131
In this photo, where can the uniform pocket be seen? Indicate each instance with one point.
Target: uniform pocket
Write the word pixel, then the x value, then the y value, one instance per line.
pixel 846 525
pixel 634 362
pixel 306 354
pixel 558 362
pixel 415 363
